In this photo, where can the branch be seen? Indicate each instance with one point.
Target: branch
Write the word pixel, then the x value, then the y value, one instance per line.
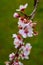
pixel 28 17
pixel 35 8
pixel 31 16
pixel 16 55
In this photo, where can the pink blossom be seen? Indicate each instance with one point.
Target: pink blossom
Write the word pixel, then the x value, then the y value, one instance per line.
pixel 11 56
pixel 24 56
pixel 22 22
pixel 26 33
pixel 17 63
pixel 26 29
pixel 17 40
pixel 22 7
pixel 25 51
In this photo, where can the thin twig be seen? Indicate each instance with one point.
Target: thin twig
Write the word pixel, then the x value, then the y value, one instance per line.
pixel 26 16
pixel 35 8
pixel 31 16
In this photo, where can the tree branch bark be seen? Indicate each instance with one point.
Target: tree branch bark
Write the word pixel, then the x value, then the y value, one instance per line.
pixel 35 8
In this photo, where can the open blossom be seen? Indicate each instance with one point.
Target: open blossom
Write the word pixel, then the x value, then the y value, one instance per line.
pixel 11 56
pixel 26 32
pixel 25 51
pixel 17 63
pixel 17 40
pixel 22 22
pixel 23 56
pixel 16 15
pixel 22 7
pixel 26 27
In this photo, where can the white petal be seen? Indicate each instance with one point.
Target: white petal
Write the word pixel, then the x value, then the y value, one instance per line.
pixel 17 9
pixel 14 35
pixel 30 35
pixel 26 57
pixel 22 33
pixel 25 5
pixel 20 63
pixel 26 53
pixel 21 7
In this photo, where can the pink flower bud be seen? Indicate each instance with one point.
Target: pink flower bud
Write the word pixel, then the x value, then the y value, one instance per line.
pixel 16 15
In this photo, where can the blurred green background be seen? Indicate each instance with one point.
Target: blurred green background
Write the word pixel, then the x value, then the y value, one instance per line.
pixel 8 26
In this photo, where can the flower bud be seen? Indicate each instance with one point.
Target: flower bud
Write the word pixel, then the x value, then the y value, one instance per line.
pixel 16 15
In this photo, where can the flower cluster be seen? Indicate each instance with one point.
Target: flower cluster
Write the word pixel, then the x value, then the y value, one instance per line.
pixel 26 29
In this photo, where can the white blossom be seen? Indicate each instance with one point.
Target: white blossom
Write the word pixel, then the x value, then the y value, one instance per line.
pixel 22 23
pixel 17 40
pixel 26 33
pixel 24 56
pixel 26 29
pixel 22 33
pixel 25 23
pixel 11 56
pixel 22 7
pixel 25 51
pixel 14 35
